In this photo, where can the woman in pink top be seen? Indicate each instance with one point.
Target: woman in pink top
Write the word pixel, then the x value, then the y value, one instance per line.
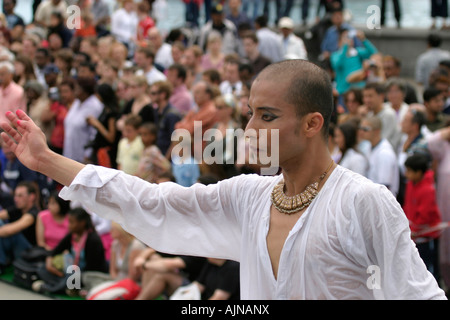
pixel 52 224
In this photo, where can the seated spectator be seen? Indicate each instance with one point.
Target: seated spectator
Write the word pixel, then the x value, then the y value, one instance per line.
pixel 145 61
pixel 125 248
pixel 130 148
pixel 18 224
pixel 23 70
pixel 231 81
pixel 13 173
pixel 37 102
pixel 422 211
pixel 80 247
pixel 52 224
pixel 145 20
pixel 219 280
pixel 162 275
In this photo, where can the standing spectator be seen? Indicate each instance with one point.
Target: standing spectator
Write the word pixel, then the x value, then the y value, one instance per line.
pixel 422 210
pixel 192 12
pixel 397 12
pixel 236 14
pixel 145 60
pixel 23 70
pixel 12 95
pixel 19 233
pixel 106 139
pixel 145 21
pixel 213 58
pixel 45 10
pixel 349 59
pixel 231 82
pixel 251 47
pixel 330 42
pixel 383 166
pixel 181 98
pixel 270 44
pixel 206 110
pixel 166 116
pixel 439 146
pixel 163 50
pixel 433 100
pixel 124 22
pixel 56 113
pixel 77 132
pixel 52 224
pixel 395 94
pixel 439 8
pixel 293 46
pixel 429 60
pixel 346 137
pixel 226 28
pixel 139 102
pixel 373 97
pixel 130 146
pixel 392 69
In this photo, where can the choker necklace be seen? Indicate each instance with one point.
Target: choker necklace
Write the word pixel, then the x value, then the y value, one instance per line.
pixel 290 205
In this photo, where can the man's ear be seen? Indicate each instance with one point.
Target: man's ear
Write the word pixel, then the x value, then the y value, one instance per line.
pixel 313 124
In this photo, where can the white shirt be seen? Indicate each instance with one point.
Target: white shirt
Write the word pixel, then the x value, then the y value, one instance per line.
pixel 164 55
pixel 293 47
pixel 124 25
pixel 383 166
pixel 355 162
pixel 154 75
pixel 352 225
pixel 77 132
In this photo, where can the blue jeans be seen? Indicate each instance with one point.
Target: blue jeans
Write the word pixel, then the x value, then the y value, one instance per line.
pixel 11 247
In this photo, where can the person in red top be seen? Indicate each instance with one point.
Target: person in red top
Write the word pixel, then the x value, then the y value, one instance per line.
pixel 421 209
pixel 145 21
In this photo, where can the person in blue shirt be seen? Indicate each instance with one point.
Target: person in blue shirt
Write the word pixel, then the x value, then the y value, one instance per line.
pixel 330 42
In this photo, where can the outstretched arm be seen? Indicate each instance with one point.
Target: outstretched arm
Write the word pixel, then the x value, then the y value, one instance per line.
pixel 29 144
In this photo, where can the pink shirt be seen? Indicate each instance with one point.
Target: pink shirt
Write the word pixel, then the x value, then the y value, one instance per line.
pixel 12 98
pixel 182 99
pixel 53 231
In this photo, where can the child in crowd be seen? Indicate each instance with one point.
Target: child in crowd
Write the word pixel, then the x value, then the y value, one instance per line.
pixel 421 209
pixel 130 147
pixel 152 163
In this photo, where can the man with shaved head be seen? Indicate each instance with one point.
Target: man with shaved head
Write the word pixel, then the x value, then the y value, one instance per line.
pixel 316 231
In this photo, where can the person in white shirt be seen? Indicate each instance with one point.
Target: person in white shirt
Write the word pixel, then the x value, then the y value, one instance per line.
pixel 144 59
pixel 270 44
pixel 347 239
pixel 346 137
pixel 124 22
pixel 383 165
pixel 293 46
pixel 373 98
pixel 163 50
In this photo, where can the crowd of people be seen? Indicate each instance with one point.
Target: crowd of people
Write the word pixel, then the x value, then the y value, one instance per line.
pixel 113 91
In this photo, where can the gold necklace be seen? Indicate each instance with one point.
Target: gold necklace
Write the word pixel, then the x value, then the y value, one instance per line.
pixel 290 205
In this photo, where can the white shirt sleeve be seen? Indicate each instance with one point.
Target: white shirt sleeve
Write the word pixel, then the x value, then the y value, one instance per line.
pixel 377 236
pixel 200 220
